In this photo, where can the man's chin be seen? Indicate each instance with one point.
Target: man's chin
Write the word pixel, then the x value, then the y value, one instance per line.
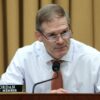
pixel 59 55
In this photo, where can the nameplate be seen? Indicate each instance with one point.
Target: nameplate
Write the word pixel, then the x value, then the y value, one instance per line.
pixel 11 88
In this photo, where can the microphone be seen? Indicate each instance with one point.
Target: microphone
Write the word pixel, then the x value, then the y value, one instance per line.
pixel 55 68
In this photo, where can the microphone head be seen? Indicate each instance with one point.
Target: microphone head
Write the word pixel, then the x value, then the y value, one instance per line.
pixel 56 66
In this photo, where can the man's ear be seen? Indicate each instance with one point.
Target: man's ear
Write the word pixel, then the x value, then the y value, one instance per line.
pixel 71 34
pixel 38 36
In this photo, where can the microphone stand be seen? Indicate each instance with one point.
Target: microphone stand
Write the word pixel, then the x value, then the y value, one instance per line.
pixel 43 82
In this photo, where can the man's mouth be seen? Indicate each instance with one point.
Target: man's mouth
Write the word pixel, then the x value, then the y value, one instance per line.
pixel 60 47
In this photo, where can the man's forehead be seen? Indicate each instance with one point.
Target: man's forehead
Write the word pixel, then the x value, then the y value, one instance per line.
pixel 55 25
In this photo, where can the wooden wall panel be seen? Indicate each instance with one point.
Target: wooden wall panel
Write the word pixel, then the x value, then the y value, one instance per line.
pixel 1 41
pixel 30 9
pixel 97 23
pixel 82 21
pixel 44 2
pixel 12 27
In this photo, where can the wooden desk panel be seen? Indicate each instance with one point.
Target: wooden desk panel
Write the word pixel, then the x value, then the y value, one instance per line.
pixel 49 96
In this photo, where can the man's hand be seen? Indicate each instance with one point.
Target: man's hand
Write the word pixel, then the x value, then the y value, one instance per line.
pixel 59 91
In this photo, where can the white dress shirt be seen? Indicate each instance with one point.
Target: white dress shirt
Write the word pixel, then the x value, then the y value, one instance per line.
pixel 32 64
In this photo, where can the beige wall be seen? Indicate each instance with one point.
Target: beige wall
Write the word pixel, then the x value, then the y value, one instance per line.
pixel 1 41
pixel 19 28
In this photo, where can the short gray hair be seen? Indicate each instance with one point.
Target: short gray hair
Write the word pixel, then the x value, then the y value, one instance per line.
pixel 47 13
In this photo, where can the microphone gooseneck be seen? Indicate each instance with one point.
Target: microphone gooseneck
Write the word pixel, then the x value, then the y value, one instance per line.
pixel 55 68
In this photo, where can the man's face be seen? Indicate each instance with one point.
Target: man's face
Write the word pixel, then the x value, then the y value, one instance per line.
pixel 54 37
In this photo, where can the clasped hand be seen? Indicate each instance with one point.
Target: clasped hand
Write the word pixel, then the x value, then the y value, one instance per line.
pixel 61 90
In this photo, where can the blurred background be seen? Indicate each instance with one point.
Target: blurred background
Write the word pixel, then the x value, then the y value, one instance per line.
pixel 17 24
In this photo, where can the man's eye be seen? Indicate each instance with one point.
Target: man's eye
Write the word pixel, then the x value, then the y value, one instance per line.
pixel 51 35
pixel 64 32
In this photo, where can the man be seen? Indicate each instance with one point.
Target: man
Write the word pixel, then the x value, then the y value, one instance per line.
pixel 32 64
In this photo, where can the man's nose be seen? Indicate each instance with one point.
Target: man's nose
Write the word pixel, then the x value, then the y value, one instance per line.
pixel 60 39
